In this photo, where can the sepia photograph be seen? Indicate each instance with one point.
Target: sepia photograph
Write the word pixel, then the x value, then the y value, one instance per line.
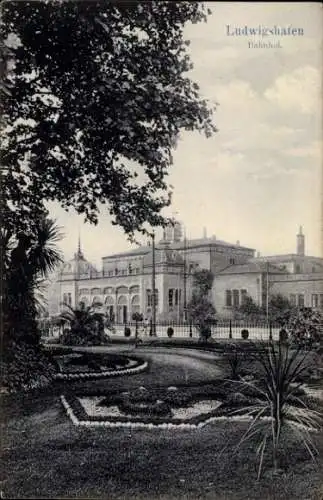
pixel 161 250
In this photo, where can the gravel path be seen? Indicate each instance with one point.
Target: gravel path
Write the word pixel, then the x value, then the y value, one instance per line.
pixel 166 366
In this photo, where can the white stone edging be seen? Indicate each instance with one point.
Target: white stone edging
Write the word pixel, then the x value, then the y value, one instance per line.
pixel 123 371
pixel 142 425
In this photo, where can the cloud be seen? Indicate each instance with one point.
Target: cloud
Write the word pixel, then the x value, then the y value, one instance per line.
pixel 257 178
pixel 299 90
pixel 313 149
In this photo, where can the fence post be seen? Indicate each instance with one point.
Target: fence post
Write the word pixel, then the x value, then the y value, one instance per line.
pixel 230 329
pixel 191 333
pixel 270 331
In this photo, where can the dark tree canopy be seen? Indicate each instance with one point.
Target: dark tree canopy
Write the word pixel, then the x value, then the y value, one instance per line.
pixel 200 308
pixel 203 281
pixel 98 96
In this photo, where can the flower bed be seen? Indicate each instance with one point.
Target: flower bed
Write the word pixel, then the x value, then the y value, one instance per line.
pixel 84 366
pixel 88 412
pixel 171 407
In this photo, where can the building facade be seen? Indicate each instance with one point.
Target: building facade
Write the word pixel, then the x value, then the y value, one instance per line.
pixel 124 284
pixel 296 276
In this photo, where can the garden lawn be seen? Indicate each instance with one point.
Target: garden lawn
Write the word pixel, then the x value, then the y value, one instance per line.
pixel 45 456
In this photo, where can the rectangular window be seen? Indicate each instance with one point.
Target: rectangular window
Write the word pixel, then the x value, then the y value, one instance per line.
pixel 235 298
pixel 67 299
pixel 228 298
pixel 243 296
pixel 171 297
pixel 315 300
pixel 301 301
pixel 292 299
pixel 149 299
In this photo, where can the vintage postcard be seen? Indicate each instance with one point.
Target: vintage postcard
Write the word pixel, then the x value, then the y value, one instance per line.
pixel 161 250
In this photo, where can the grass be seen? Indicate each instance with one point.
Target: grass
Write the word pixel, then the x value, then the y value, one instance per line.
pixel 45 456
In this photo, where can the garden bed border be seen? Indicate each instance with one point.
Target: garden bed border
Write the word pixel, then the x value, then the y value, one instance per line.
pixel 104 374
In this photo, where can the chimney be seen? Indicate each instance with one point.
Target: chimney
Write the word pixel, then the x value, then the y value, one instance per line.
pixel 300 242
pixel 204 232
pixel 238 242
pixel 258 254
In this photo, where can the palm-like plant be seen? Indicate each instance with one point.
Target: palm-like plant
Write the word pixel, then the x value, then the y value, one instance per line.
pixel 279 405
pixel 86 324
pixel 80 317
pixel 28 258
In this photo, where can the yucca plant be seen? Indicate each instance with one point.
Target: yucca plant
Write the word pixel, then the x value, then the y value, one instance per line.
pixel 280 404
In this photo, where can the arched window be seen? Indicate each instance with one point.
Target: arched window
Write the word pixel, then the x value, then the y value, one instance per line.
pixel 84 300
pixel 135 304
pixel 96 300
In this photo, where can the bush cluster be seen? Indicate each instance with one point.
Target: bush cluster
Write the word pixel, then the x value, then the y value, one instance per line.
pixel 26 366
pixel 93 362
pixel 88 338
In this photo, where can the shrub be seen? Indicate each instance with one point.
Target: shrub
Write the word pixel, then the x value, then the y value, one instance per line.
pixel 26 366
pixel 205 333
pixel 245 333
pixel 234 359
pixel 170 332
pixel 236 399
pixel 283 335
pixel 137 317
pixel 157 408
pixel 127 331
pixel 278 392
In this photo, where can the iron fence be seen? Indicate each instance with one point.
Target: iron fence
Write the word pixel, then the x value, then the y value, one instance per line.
pixel 221 330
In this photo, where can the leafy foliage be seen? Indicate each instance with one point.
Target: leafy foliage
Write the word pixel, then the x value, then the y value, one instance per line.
pixel 99 95
pixel 25 366
pixel 280 309
pixel 27 260
pixel 200 309
pixel 305 326
pixel 203 281
pixel 234 358
pixel 86 325
pixel 248 309
pixel 279 405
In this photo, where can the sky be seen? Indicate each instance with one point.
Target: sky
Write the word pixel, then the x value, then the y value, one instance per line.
pixel 260 176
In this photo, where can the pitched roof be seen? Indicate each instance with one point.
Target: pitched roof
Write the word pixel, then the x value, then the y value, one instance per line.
pixel 251 267
pixel 197 242
pixel 142 250
pixel 193 243
pixel 285 257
